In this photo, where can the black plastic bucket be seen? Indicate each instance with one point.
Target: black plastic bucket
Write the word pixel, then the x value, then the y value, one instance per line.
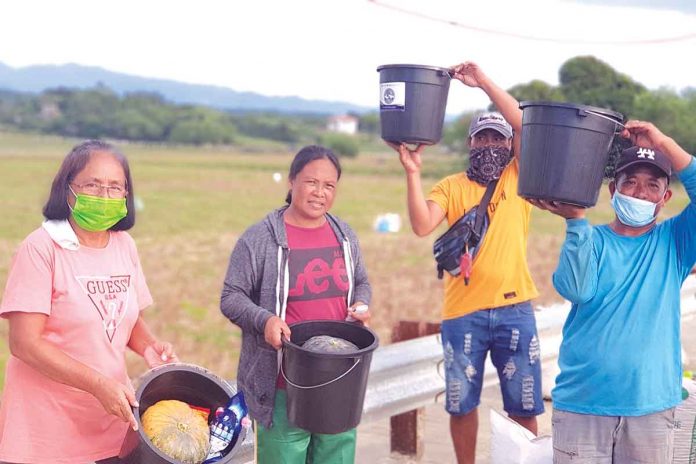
pixel 565 148
pixel 184 382
pixel 413 99
pixel 326 391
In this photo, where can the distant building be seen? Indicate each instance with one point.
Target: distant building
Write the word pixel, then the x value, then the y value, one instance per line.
pixel 49 111
pixel 344 123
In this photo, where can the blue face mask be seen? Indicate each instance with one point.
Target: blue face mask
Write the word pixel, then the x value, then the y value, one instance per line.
pixel 633 212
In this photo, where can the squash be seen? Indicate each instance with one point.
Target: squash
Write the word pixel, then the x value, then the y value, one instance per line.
pixel 329 344
pixel 177 430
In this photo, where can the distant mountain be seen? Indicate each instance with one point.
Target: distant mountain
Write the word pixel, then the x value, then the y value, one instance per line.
pixel 41 77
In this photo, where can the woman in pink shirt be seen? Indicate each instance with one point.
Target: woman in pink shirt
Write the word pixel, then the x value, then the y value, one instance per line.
pixel 74 296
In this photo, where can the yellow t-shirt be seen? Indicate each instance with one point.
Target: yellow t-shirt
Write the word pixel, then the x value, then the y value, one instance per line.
pixel 499 275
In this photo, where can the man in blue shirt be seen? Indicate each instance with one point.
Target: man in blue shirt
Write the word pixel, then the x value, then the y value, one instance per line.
pixel 620 359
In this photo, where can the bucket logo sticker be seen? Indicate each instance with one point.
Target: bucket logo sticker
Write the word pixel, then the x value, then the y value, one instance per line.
pixel 392 96
pixel 109 296
pixel 646 153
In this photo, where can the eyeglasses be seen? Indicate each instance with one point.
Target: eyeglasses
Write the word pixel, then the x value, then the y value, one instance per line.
pixel 94 189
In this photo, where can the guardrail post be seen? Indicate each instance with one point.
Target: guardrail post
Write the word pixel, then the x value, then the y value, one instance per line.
pixel 407 428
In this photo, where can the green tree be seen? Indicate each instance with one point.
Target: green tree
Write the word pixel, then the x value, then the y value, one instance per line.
pixel 673 114
pixel 456 134
pixel 275 127
pixel 369 123
pixel 202 131
pixel 155 117
pixel 589 81
pixel 536 90
pixel 84 113
pixel 132 124
pixel 342 144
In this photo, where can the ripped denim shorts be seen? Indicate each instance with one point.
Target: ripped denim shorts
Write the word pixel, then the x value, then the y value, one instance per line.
pixel 509 333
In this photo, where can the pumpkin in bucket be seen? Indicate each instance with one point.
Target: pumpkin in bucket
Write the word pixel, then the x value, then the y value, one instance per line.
pixel 329 344
pixel 177 430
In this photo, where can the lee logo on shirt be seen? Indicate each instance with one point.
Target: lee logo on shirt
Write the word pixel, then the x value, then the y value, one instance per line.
pixel 317 273
pixel 109 296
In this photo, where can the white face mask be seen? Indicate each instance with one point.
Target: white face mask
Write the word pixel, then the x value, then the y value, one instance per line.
pixel 633 212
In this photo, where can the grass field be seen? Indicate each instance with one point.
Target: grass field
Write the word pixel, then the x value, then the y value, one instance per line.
pixel 197 201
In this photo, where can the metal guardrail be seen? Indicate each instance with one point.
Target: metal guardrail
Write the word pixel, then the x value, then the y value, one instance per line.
pixel 404 376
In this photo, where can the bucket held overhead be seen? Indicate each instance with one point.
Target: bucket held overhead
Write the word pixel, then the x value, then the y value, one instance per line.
pixel 412 102
pixel 565 148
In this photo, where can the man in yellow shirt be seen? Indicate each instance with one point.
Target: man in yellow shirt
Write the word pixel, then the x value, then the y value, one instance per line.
pixel 493 312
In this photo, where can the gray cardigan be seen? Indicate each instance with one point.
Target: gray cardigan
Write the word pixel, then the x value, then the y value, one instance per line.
pixel 256 288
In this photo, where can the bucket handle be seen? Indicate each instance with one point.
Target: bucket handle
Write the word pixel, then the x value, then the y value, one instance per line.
pixel 310 387
pixel 594 113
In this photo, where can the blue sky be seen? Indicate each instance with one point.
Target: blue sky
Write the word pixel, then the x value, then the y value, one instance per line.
pixel 330 50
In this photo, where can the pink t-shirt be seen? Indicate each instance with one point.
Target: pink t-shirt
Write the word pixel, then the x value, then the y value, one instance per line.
pixel 92 298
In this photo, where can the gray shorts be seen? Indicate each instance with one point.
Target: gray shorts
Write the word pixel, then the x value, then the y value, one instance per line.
pixel 585 438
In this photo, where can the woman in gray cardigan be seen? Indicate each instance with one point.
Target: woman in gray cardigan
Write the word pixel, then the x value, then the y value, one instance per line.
pixel 299 263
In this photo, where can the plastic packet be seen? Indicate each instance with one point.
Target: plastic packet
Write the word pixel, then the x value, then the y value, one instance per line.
pixel 226 427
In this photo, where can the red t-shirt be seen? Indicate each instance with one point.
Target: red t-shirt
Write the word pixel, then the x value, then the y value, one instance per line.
pixel 318 280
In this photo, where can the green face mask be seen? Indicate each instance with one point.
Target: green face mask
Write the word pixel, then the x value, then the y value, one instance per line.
pixel 97 214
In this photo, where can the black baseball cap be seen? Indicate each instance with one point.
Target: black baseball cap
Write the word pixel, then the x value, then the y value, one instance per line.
pixel 641 155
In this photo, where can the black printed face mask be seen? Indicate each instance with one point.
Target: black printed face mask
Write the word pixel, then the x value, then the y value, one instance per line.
pixel 487 163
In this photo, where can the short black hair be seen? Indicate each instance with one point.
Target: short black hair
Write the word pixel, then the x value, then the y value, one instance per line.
pixel 75 161
pixel 305 156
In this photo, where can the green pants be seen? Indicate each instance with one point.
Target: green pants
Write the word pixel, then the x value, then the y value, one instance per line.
pixel 285 444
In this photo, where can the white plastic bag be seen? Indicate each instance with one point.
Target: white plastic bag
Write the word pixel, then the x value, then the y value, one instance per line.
pixel 513 444
pixel 389 222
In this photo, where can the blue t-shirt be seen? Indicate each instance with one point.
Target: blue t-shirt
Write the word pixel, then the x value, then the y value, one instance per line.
pixel 621 349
